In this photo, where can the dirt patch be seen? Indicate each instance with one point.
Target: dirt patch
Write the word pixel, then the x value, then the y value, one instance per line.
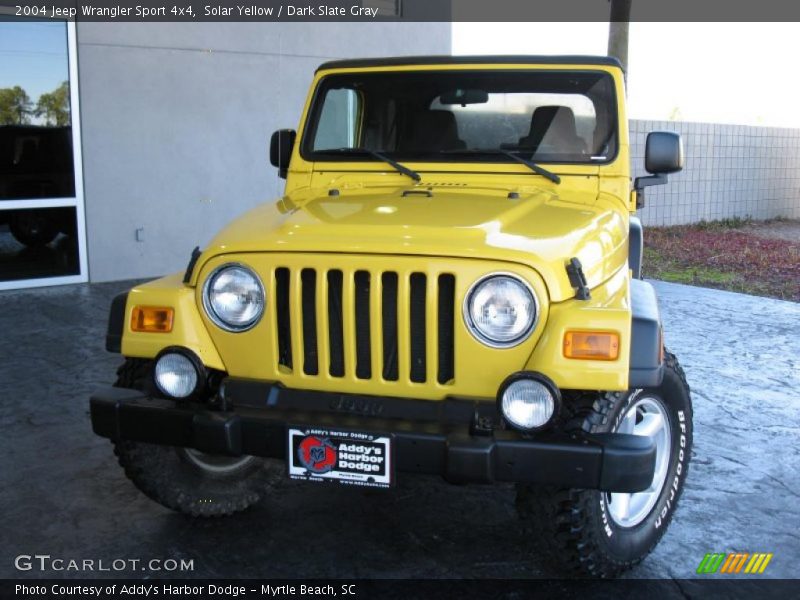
pixel 782 229
pixel 740 256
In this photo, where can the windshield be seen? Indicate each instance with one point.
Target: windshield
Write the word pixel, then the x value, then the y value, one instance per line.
pixel 545 116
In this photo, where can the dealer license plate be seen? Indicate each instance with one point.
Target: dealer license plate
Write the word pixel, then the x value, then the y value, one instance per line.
pixel 348 457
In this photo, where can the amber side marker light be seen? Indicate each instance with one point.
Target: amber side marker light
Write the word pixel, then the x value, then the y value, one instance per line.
pixel 591 345
pixel 152 319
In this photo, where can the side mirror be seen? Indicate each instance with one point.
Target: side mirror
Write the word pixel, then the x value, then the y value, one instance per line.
pixel 663 154
pixel 280 150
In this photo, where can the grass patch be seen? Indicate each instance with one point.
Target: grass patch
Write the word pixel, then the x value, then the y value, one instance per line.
pixel 724 224
pixel 719 254
pixel 699 276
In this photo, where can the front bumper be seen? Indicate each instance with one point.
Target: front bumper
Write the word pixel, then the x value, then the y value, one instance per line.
pixel 438 438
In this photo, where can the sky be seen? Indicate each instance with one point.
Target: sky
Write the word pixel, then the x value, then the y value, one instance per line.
pixel 33 56
pixel 740 73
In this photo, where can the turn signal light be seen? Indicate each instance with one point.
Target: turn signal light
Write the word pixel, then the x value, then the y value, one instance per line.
pixel 591 345
pixel 152 319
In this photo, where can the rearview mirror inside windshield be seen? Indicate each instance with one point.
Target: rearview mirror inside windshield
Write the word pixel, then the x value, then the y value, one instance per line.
pixel 464 97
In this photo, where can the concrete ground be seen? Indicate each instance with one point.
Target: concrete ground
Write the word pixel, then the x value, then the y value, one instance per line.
pixel 64 495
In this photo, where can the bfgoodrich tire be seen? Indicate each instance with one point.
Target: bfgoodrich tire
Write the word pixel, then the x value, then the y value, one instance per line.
pixel 184 480
pixel 589 532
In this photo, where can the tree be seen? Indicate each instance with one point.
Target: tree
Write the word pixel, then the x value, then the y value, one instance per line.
pixel 15 106
pixel 618 22
pixel 54 106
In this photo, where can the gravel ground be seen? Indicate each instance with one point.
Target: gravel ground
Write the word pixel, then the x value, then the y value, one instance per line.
pixel 64 495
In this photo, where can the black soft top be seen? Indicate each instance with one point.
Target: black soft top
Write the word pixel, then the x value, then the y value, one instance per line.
pixel 396 61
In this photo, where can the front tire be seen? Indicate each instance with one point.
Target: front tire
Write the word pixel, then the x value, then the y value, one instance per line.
pixel 595 533
pixel 186 480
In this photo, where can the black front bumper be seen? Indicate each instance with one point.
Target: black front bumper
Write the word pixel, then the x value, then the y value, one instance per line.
pixel 429 437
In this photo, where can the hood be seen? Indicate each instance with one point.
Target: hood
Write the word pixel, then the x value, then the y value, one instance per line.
pixel 537 227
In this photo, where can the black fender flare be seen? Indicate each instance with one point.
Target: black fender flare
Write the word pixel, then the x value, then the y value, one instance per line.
pixel 116 323
pixel 635 246
pixel 647 346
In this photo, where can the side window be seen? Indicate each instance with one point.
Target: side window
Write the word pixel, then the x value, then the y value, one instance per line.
pixel 338 125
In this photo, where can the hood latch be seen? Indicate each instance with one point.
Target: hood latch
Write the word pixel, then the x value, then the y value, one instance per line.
pixel 577 279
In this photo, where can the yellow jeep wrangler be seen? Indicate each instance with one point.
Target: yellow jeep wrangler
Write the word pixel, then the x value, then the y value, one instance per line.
pixel 449 285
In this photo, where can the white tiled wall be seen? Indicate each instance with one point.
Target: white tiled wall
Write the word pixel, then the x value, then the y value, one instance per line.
pixel 729 171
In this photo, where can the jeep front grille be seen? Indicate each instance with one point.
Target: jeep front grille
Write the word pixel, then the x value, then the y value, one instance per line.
pixel 365 323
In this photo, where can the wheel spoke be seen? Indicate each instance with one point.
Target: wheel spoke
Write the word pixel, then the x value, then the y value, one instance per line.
pixel 628 422
pixel 650 425
pixel 621 505
pixel 645 417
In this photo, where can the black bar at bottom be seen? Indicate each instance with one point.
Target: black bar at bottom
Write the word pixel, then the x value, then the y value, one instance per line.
pixel 350 587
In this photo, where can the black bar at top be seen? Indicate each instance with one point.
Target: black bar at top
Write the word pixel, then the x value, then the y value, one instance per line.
pixel 332 11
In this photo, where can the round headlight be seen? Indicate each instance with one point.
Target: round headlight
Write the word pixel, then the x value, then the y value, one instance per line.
pixel 527 403
pixel 500 310
pixel 176 375
pixel 234 297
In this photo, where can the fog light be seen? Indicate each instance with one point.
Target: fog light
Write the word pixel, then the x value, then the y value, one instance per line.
pixel 528 401
pixel 176 375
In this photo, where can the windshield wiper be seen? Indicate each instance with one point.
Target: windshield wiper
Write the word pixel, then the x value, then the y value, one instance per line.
pixel 375 154
pixel 512 155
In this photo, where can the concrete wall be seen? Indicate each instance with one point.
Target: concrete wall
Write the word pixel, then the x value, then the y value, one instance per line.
pixel 730 171
pixel 176 120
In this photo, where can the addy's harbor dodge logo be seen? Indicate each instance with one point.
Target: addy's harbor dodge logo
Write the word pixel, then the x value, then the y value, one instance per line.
pixel 317 454
pixel 734 562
